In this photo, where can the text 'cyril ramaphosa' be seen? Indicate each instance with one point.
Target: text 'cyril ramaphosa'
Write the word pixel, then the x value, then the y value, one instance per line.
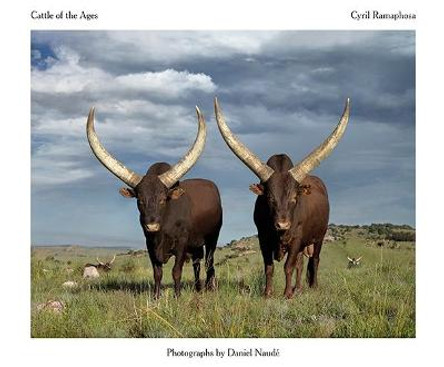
pixel 375 14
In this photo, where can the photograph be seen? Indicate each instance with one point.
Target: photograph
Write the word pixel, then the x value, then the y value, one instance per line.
pixel 222 184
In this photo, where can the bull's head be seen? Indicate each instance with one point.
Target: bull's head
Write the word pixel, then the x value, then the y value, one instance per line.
pixel 281 191
pixel 352 262
pixel 105 266
pixel 282 184
pixel 161 182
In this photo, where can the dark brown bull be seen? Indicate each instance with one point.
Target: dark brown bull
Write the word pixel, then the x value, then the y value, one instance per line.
pixel 292 210
pixel 177 218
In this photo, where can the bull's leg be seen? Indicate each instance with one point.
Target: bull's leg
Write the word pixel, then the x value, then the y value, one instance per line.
pixel 269 270
pixel 157 272
pixel 312 267
pixel 210 248
pixel 177 273
pixel 299 266
pixel 289 267
pixel 157 268
pixel 196 268
pixel 312 272
pixel 210 282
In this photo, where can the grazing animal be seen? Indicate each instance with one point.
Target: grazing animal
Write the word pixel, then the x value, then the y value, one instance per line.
pixel 292 209
pixel 353 262
pixel 92 270
pixel 178 218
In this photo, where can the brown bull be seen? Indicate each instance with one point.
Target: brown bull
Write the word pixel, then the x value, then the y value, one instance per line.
pixel 177 218
pixel 292 210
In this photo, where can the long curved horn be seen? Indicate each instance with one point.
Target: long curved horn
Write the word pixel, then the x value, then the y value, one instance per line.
pixel 100 263
pixel 300 170
pixel 112 164
pixel 114 258
pixel 253 162
pixel 170 177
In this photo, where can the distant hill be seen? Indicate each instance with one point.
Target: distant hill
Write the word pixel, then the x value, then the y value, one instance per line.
pixel 375 232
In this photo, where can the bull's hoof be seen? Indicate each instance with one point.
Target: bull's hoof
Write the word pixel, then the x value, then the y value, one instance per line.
pixel 198 286
pixel 267 293
pixel 210 285
pixel 288 294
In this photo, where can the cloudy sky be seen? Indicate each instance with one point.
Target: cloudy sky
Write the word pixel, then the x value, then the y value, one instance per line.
pixel 281 92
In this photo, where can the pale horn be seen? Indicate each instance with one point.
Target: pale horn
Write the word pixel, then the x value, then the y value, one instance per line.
pixel 112 164
pixel 300 170
pixel 170 177
pixel 260 169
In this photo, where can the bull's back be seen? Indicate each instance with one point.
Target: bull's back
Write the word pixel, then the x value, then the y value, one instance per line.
pixel 206 208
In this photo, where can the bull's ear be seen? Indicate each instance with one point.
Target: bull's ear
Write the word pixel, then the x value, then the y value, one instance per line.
pixel 304 190
pixel 258 189
pixel 176 193
pixel 127 192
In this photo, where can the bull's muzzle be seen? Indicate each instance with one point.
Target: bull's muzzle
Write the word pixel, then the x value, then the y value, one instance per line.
pixel 283 225
pixel 152 227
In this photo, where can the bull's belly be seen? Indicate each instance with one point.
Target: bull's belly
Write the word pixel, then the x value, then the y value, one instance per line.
pixel 194 248
pixel 286 241
pixel 283 249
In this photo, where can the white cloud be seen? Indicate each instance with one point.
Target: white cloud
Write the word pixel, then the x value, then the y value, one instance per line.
pixel 59 163
pixel 45 125
pixel 157 46
pixel 168 83
pixel 68 76
pixel 55 173
pixel 127 120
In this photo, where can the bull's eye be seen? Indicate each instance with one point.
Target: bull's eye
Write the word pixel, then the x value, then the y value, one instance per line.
pixel 141 204
pixel 293 198
pixel 162 201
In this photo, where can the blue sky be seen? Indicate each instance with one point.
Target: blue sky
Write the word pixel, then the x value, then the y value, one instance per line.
pixel 281 92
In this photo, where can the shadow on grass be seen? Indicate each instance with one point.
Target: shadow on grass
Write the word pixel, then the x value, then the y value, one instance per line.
pixel 240 286
pixel 253 288
pixel 136 286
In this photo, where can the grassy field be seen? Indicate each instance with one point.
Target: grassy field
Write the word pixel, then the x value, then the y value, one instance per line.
pixel 376 299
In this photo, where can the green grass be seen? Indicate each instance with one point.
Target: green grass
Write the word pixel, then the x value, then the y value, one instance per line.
pixel 375 300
